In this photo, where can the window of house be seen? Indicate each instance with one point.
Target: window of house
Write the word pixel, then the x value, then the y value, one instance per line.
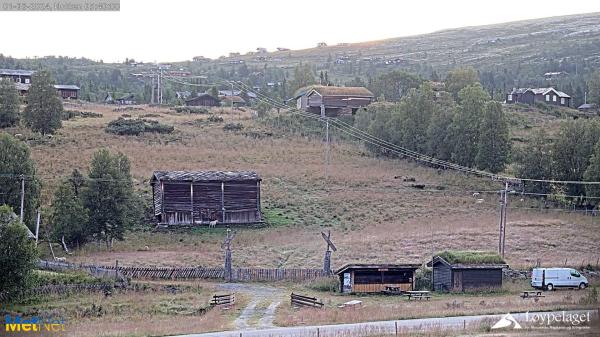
pixel 547 98
pixel 510 97
pixel 562 101
pixel 553 98
pixel 27 81
pixel 19 79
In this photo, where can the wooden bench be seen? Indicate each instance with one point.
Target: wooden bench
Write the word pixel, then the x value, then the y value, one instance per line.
pixel 305 301
pixel 223 299
pixel 532 294
pixel 417 295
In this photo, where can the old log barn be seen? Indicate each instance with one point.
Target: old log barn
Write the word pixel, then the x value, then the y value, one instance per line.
pixel 374 278
pixel 458 272
pixel 199 197
pixel 334 101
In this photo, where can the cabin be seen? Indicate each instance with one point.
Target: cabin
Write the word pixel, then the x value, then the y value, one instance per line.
pixel 538 95
pixel 199 197
pixel 374 278
pixel 17 75
pixel 128 99
pixel 235 100
pixel 67 91
pixel 588 107
pixel 460 271
pixel 203 99
pixel 333 101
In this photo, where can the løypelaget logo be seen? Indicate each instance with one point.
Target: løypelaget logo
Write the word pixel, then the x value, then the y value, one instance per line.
pixel 33 324
pixel 507 321
pixel 539 320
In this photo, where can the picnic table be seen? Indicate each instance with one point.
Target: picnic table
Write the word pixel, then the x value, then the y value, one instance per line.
pixel 418 295
pixel 531 294
pixel 390 290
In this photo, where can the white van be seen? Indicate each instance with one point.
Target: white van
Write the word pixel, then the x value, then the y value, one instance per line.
pixel 550 278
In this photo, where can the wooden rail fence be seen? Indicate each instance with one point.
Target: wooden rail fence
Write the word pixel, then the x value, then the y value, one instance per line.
pixel 238 274
pixel 305 301
pixel 223 299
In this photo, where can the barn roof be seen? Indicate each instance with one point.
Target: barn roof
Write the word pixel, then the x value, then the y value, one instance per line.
pixel 66 86
pixel 539 91
pixel 342 91
pixel 205 176
pixel 352 266
pixel 469 260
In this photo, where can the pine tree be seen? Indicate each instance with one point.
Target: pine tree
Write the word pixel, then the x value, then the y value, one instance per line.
pixel 9 103
pixel 594 88
pixel 44 108
pixel 592 173
pixel 69 218
pixel 109 197
pixel 494 142
pixel 464 130
pixel 15 162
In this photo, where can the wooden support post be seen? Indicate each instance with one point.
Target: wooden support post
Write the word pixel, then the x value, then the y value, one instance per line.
pixel 192 201
pixel 22 198
pixel 396 324
pixel 116 270
pixel 223 201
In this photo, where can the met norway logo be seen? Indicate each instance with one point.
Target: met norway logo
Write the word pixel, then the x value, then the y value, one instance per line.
pixel 33 324
pixel 507 321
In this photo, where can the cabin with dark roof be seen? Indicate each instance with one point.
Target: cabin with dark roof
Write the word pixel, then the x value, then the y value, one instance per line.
pixel 460 271
pixel 375 278
pixel 203 99
pixel 17 75
pixel 334 101
pixel 199 197
pixel 535 95
pixel 127 99
pixel 67 91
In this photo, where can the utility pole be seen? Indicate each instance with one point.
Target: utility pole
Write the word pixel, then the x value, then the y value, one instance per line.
pixel 326 147
pixel 22 197
pixel 153 89
pixel 503 208
pixel 231 97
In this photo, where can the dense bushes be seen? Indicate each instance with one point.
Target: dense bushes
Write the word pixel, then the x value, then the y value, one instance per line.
pixel 191 109
pixel 68 114
pixel 233 127
pixel 123 126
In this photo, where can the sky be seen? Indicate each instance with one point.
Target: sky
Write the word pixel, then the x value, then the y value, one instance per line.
pixel 177 30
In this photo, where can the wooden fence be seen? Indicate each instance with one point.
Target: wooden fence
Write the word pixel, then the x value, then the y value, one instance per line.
pixel 305 301
pixel 238 274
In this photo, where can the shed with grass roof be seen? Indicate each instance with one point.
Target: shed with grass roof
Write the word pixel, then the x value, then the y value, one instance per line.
pixel 460 271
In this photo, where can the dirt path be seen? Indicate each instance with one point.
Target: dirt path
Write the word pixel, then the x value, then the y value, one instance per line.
pixel 259 295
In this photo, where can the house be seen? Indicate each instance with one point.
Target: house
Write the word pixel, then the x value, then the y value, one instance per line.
pixel 535 95
pixel 282 49
pixel 108 98
pixel 235 100
pixel 261 50
pixel 333 101
pixel 203 99
pixel 321 45
pixel 588 107
pixel 17 75
pixel 198 197
pixel 460 271
pixel 555 74
pixel 374 278
pixel 127 99
pixel 67 91
pixel 182 94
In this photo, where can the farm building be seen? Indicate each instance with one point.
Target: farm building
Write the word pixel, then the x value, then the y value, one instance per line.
pixel 333 101
pixel 17 75
pixel 203 99
pixel 67 91
pixel 374 278
pixel 542 95
pixel 235 100
pixel 460 271
pixel 128 99
pixel 198 197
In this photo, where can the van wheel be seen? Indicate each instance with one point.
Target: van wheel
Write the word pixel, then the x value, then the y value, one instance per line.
pixel 582 285
pixel 550 287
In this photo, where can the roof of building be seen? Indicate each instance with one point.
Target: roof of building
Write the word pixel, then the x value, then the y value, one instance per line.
pixel 342 91
pixel 201 95
pixel 539 91
pixel 351 266
pixel 16 72
pixel 126 96
pixel 234 99
pixel 66 86
pixel 587 106
pixel 470 260
pixel 205 175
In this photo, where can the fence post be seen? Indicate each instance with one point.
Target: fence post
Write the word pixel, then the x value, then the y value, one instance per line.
pixel 318 333
pixel 116 270
pixel 396 324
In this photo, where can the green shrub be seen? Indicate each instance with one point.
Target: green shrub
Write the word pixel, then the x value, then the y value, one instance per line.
pixel 191 109
pixel 122 126
pixel 471 257
pixel 423 279
pixel 41 278
pixel 215 119
pixel 233 127
pixel 327 284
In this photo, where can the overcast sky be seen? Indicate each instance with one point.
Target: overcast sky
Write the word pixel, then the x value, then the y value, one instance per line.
pixel 176 30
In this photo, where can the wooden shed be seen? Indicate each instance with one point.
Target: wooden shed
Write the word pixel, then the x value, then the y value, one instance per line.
pixel 374 278
pixel 199 197
pixel 334 101
pixel 455 274
pixel 203 99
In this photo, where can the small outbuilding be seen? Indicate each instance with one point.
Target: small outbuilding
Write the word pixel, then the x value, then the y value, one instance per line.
pixel 374 278
pixel 460 271
pixel 202 99
pixel 200 197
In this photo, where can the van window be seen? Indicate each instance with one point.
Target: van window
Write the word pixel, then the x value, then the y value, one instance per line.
pixel 575 273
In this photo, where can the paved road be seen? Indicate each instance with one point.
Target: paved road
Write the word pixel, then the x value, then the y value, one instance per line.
pixel 382 327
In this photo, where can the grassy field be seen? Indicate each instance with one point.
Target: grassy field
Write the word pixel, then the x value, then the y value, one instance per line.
pixel 373 215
